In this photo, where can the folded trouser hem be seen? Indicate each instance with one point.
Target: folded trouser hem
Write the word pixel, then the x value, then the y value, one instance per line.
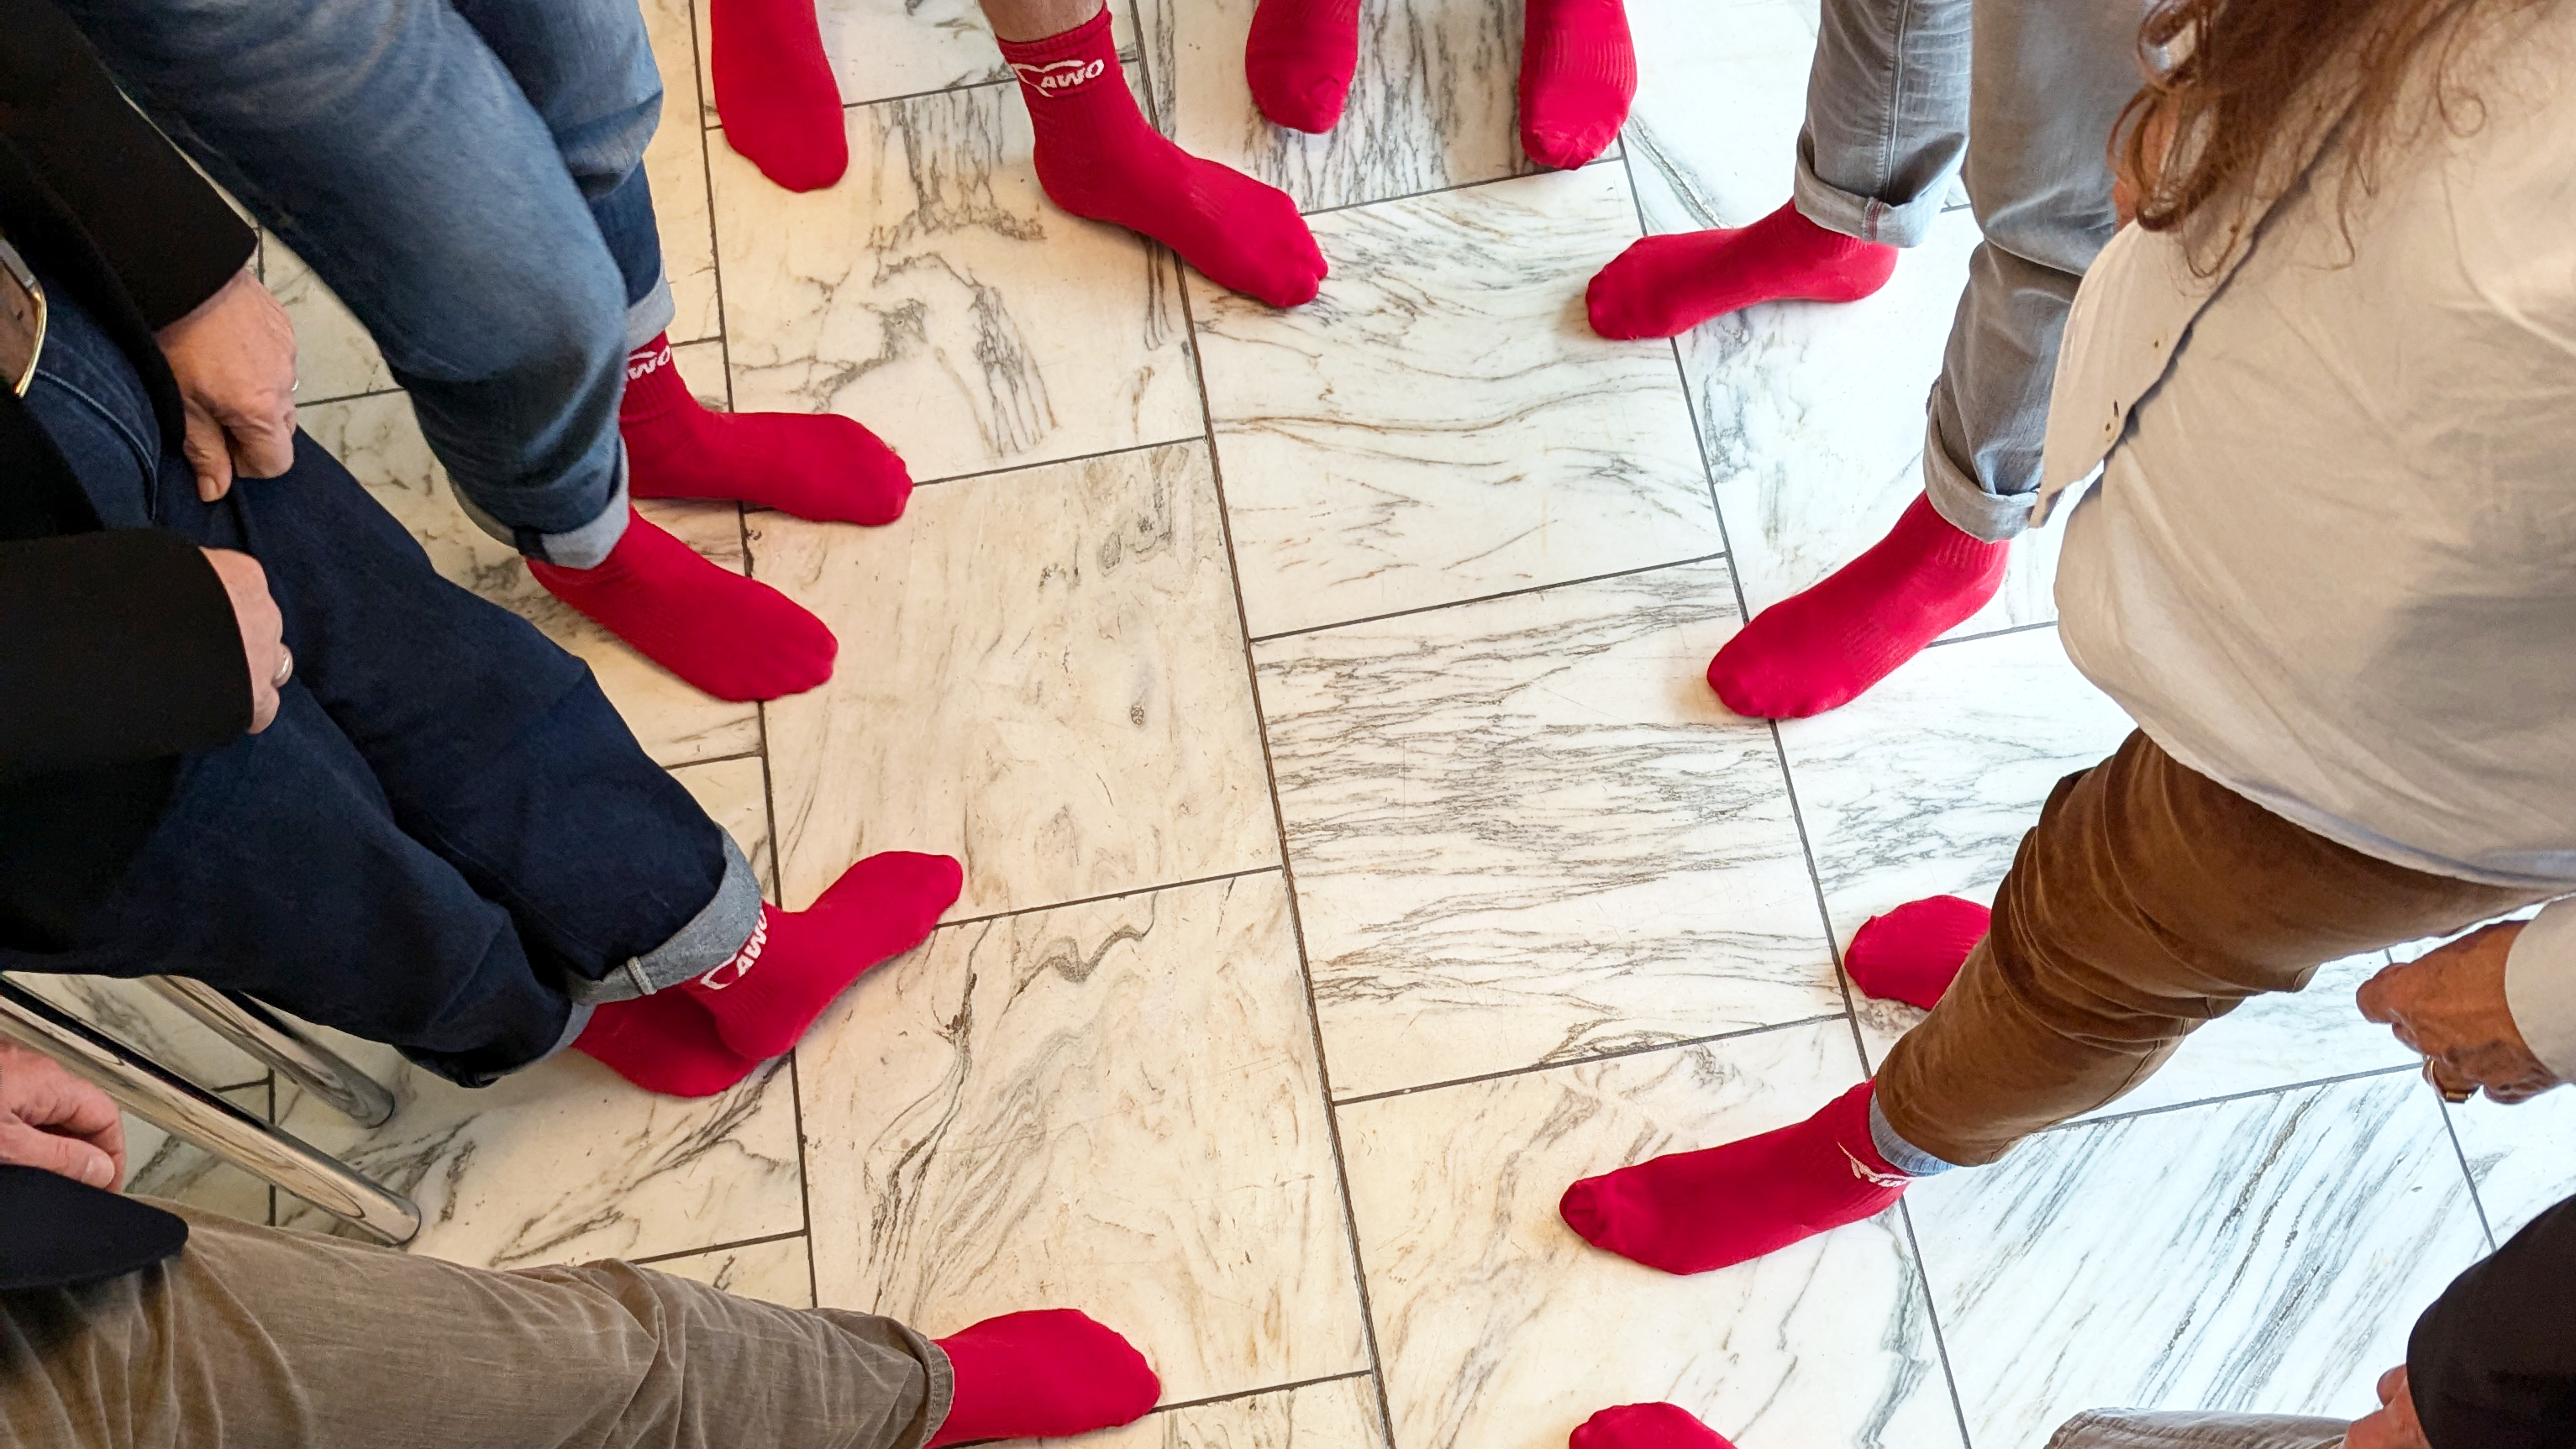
pixel 1957 496
pixel 1895 224
pixel 574 548
pixel 709 940
pixel 652 315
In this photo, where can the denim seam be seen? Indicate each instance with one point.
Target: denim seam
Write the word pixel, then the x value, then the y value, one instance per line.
pixel 710 938
pixel 146 458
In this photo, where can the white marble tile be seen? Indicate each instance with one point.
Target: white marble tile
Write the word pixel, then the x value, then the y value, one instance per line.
pixel 1524 831
pixel 735 794
pixel 2264 1254
pixel 1500 1329
pixel 940 299
pixel 1442 423
pixel 1042 674
pixel 1112 1106
pixel 138 1017
pixel 1335 1414
pixel 1432 105
pixel 334 356
pixel 702 367
pixel 175 1170
pixel 565 1162
pixel 773 1272
pixel 379 441
pixel 2519 1156
pixel 676 165
pixel 1721 93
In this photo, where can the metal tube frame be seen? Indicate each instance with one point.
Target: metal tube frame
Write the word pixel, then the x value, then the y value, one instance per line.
pixel 282 1044
pixel 184 1109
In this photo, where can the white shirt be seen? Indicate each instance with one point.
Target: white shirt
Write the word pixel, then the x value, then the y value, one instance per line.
pixel 2331 561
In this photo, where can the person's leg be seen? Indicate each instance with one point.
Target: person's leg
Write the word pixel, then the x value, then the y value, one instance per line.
pixel 2051 77
pixel 1097 156
pixel 1887 120
pixel 2147 1429
pixel 386 142
pixel 2147 901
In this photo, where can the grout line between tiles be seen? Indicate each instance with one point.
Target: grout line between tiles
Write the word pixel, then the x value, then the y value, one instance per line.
pixel 348 397
pixel 751 754
pixel 1144 890
pixel 650 1259
pixel 1992 633
pixel 1932 1316
pixel 1618 1054
pixel 1288 882
pixel 1620 160
pixel 1025 465
pixel 2283 1089
pixel 1258 1393
pixel 1487 598
pixel 2451 1127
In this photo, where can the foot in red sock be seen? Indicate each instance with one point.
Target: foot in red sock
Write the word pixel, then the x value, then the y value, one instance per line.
pixel 1818 650
pixel 1578 74
pixel 1043 1375
pixel 1912 953
pixel 1691 1212
pixel 824 467
pixel 663 1043
pixel 1301 58
pixel 775 93
pixel 1667 285
pixel 797 962
pixel 735 638
pixel 1646 1426
pixel 1098 158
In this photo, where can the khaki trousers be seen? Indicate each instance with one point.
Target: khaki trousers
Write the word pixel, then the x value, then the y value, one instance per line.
pixel 263 1338
pixel 2148 900
pixel 2134 1429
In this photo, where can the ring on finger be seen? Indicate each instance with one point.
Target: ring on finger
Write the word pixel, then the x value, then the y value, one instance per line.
pixel 286 671
pixel 2450 1094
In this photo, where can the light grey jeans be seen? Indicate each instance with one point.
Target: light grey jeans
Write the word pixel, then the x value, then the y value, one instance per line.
pixel 260 1338
pixel 2138 1429
pixel 1891 109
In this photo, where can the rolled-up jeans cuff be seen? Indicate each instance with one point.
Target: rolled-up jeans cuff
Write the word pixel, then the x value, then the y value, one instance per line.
pixel 943 1389
pixel 581 1014
pixel 709 940
pixel 1900 1154
pixel 1957 496
pixel 575 548
pixel 1865 217
pixel 652 315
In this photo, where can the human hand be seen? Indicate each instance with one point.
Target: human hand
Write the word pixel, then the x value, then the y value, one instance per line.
pixel 54 1120
pixel 2449 1004
pixel 234 358
pixel 263 630
pixel 2394 1425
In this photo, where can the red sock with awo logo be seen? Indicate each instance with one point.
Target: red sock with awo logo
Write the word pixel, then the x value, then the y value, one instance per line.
pixel 820 466
pixel 797 962
pixel 1097 157
pixel 775 93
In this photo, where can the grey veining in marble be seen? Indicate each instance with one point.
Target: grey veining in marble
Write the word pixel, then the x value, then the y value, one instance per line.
pixel 1525 831
pixel 1500 1329
pixel 1114 1106
pixel 2519 1156
pixel 1431 106
pixel 2269 1253
pixel 1442 423
pixel 1721 93
pixel 1041 673
pixel 1335 1414
pixel 937 296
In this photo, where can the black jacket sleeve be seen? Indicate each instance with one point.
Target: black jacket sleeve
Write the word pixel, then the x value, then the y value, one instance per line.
pixel 2492 1364
pixel 115 646
pixel 162 232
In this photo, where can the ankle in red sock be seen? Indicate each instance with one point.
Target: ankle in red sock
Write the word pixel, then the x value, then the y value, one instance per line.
pixel 1691 1212
pixel 1042 1375
pixel 1578 74
pixel 819 466
pixel 663 1043
pixel 1098 158
pixel 1820 649
pixel 1914 952
pixel 775 93
pixel 735 638
pixel 1645 1426
pixel 798 962
pixel 1300 60
pixel 1667 285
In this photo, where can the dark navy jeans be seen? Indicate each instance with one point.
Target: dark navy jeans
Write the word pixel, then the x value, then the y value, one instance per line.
pixel 448 841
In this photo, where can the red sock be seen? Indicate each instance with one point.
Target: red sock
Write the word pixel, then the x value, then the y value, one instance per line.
pixel 775 93
pixel 797 962
pixel 1646 1426
pixel 1691 1212
pixel 1667 285
pixel 1042 1375
pixel 663 1043
pixel 1578 74
pixel 819 466
pixel 1098 158
pixel 1912 953
pixel 1301 58
pixel 1818 650
pixel 735 638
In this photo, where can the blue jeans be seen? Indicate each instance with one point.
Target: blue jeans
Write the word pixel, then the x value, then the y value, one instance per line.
pixel 448 841
pixel 468 176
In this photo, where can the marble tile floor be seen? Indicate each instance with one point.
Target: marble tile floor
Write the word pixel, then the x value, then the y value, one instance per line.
pixel 1354 854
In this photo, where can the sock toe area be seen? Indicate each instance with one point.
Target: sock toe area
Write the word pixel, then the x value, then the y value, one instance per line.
pixel 1646 1426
